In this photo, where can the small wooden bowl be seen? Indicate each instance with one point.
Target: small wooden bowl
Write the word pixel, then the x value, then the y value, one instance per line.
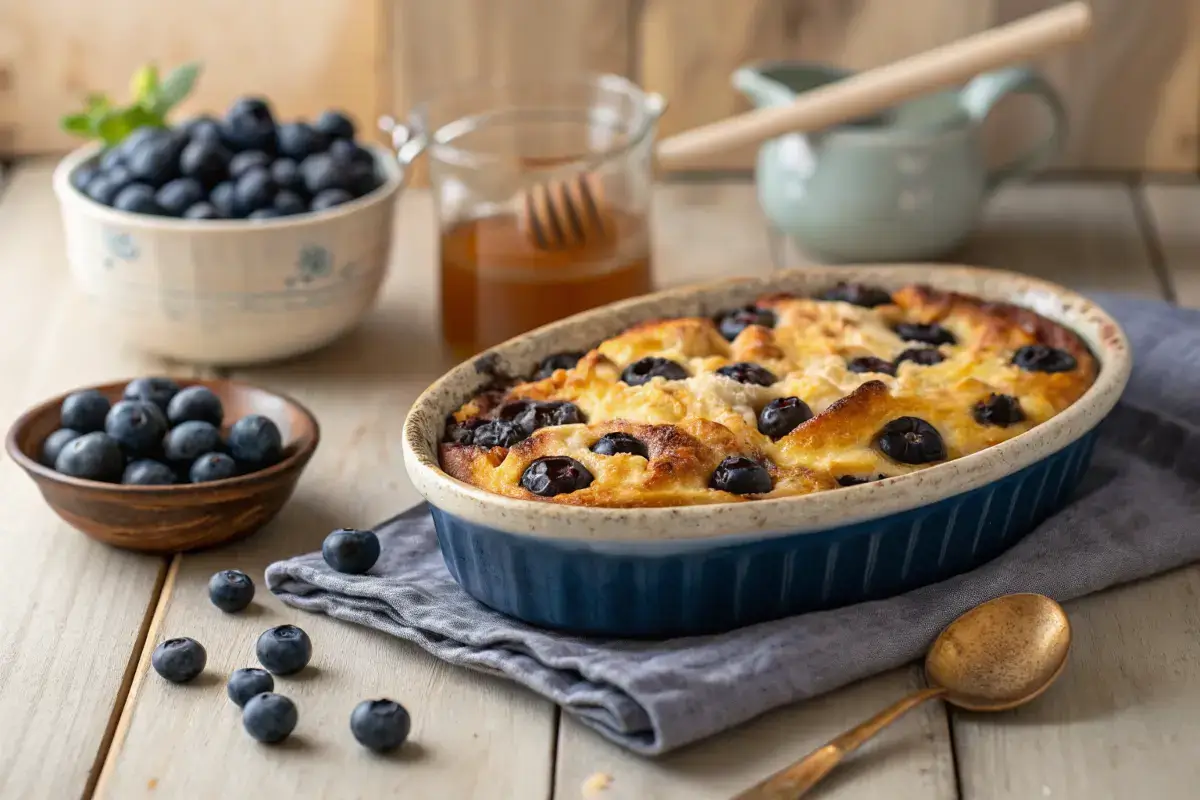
pixel 170 519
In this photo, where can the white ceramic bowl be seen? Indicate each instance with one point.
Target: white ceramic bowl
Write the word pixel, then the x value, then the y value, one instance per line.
pixel 229 292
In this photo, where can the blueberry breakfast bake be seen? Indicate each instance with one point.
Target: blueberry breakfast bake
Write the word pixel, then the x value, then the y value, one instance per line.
pixel 784 397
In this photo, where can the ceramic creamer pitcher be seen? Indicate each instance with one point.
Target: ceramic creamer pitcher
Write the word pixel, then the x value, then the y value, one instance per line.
pixel 907 184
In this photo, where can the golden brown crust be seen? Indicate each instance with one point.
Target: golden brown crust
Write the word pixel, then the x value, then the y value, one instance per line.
pixel 689 426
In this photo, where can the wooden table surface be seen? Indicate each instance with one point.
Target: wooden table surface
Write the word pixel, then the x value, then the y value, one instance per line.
pixel 79 716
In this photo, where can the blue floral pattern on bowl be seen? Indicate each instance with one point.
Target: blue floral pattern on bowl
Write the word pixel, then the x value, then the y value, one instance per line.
pixel 313 263
pixel 119 246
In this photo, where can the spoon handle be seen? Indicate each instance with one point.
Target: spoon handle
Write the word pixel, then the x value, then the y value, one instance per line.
pixel 794 781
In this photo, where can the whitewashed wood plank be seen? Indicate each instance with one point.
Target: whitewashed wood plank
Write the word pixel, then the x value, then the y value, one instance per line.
pixel 73 609
pixel 1175 214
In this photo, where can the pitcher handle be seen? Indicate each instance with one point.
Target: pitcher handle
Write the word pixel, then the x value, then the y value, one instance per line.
pixel 982 94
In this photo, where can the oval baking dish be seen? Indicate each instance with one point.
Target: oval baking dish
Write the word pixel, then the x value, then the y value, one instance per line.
pixel 657 572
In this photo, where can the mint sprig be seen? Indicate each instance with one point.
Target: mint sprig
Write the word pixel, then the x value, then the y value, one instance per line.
pixel 153 100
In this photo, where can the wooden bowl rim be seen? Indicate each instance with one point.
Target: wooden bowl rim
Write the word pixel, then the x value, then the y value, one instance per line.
pixel 297 460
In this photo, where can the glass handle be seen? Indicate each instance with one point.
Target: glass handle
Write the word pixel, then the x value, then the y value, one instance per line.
pixel 407 140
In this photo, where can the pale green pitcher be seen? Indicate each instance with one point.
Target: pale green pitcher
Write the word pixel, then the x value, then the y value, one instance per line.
pixel 908 184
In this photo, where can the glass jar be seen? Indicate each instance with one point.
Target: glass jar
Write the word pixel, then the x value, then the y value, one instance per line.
pixel 487 145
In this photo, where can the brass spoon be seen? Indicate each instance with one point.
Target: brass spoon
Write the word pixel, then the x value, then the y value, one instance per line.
pixel 997 656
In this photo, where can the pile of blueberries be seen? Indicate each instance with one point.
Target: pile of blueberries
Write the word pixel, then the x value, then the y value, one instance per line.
pixel 157 435
pixel 379 725
pixel 244 166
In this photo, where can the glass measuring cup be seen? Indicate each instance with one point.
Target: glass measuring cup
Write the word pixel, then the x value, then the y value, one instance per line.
pixel 486 144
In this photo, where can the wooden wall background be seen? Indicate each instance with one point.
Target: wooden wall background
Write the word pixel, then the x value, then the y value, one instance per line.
pixel 1133 90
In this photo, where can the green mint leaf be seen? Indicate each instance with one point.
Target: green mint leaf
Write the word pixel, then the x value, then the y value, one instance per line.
pixel 144 86
pixel 176 86
pixel 97 102
pixel 77 125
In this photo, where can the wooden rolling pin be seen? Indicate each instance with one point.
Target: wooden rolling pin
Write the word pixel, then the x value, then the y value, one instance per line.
pixel 568 213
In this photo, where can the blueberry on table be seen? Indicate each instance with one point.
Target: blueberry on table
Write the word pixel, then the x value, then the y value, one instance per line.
pixel 288 203
pixel 247 682
pixel 195 404
pixel 84 411
pixel 187 441
pixel 158 391
pixel 380 725
pixel 177 196
pixel 92 456
pixel 286 174
pixel 299 140
pixel 221 198
pixel 554 475
pixel 243 162
pixel 911 440
pixel 82 176
pixel 254 191
pixel 925 356
pixel 212 467
pixel 351 551
pixel 202 210
pixel 1000 410
pixel 137 426
pixel 932 333
pixel 205 160
pixel 269 717
pixel 746 372
pixel 321 172
pixel 741 475
pixel 552 363
pixel 783 415
pixel 155 160
pixel 179 660
pixel 255 441
pixel 1040 358
pixel 646 369
pixel 334 125
pixel 147 472
pixel 231 590
pixel 138 198
pixel 857 294
pixel 498 433
pixel 249 125
pixel 864 364
pixel 612 443
pixel 734 322
pixel 54 444
pixel 284 649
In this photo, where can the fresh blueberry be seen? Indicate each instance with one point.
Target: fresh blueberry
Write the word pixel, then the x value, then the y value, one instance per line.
pixel 212 467
pixel 249 125
pixel 344 151
pixel 112 158
pixel 925 356
pixel 552 363
pixel 255 441
pixel 158 391
pixel 269 717
pixel 334 125
pixel 288 203
pixel 746 372
pixel 351 551
pixel 179 660
pixel 284 649
pixel 362 179
pixel 187 441
pixel 147 472
pixel 330 198
pixel 1000 410
pixel 82 176
pixel 498 433
pixel 155 160
pixel 135 140
pixel 380 725
pixel 92 456
pixel 783 415
pixel 138 198
pixel 535 415
pixel 205 160
pixel 645 369
pixel 553 475
pixel 322 172
pixel 202 210
pixel 243 162
pixel 203 127
pixel 870 364
pixel 265 213
pixel 932 333
pixel 286 174
pixel 612 443
pixel 247 682
pixel 911 440
pixel 195 404
pixel 105 187
pixel 734 322
pixel 221 198
pixel 1040 358
pixel 858 480
pixel 54 444
pixel 84 411
pixel 857 294
pixel 741 475
pixel 253 191
pixel 177 196
pixel 299 140
pixel 137 426
pixel 231 590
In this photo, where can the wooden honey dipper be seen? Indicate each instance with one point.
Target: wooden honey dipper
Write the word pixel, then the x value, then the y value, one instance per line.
pixel 571 211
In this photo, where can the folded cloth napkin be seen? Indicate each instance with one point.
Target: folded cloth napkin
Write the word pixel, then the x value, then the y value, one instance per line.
pixel 1134 515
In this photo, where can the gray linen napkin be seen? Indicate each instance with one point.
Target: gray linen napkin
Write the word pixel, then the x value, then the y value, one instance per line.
pixel 1134 515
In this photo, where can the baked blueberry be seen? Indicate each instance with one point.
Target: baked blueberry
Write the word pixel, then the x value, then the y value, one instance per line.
pixel 212 467
pixel 740 475
pixel 646 369
pixel 911 440
pixel 932 333
pixel 177 196
pixel 247 682
pixel 195 404
pixel 158 391
pixel 265 213
pixel 253 191
pixel 187 441
pixel 221 198
pixel 249 125
pixel 179 660
pixel 92 456
pixel 54 444
pixel 147 472
pixel 154 160
pixel 286 174
pixel 864 364
pixel 335 125
pixel 857 294
pixel 925 356
pixel 552 363
pixel 82 176
pixel 783 415
pixel 284 649
pixel 330 198
pixel 137 426
pixel 463 432
pixel 246 160
pixel 205 160
pixel 137 198
pixel 553 475
pixel 746 372
pixel 288 203
pixel 351 551
pixel 856 480
pixel 321 172
pixel 380 725
pixel 498 433
pixel 1040 358
pixel 1000 410
pixel 734 322
pixel 202 210
pixel 299 140
pixel 536 415
pixel 269 717
pixel 255 441
pixel 84 411
pixel 612 443
pixel 231 590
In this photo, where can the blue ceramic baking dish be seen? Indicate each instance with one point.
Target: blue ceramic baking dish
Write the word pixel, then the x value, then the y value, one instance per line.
pixel 662 572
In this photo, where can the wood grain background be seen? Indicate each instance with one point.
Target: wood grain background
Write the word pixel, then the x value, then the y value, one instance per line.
pixel 1133 90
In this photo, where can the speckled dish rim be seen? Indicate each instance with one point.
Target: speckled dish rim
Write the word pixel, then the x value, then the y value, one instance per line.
pixel 780 516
